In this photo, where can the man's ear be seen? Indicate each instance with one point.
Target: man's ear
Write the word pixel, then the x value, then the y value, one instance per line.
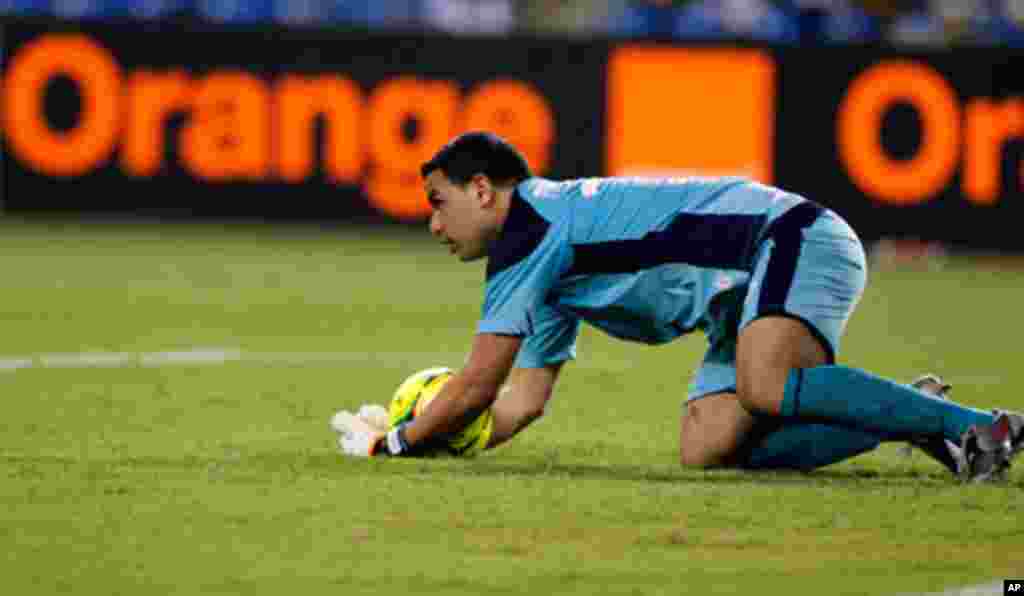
pixel 482 189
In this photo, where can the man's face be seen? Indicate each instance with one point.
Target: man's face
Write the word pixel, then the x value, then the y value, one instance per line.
pixel 462 217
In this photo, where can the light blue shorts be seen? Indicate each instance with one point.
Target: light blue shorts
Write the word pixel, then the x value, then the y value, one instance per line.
pixel 811 267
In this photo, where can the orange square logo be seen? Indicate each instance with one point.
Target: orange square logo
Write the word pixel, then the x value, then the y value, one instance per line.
pixel 690 111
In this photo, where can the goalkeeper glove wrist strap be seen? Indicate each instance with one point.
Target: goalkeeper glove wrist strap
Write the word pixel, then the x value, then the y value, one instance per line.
pixel 395 443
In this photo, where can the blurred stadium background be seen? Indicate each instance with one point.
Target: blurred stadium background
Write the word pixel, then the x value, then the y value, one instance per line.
pixel 941 23
pixel 903 116
pixel 213 238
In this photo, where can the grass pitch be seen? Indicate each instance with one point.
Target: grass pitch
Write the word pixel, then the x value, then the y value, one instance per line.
pixel 224 479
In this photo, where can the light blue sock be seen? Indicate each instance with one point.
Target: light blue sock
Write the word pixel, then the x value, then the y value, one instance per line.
pixel 854 398
pixel 806 446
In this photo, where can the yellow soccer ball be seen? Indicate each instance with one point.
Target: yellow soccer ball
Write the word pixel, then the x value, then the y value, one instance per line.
pixel 414 395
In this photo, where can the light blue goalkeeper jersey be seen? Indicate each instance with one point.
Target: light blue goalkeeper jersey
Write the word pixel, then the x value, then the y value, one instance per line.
pixel 640 259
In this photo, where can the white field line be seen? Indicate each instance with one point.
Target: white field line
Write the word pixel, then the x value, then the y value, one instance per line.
pixel 216 356
pixel 12 364
pixel 119 359
pixel 208 356
pixel 204 356
pixel 199 356
pixel 993 589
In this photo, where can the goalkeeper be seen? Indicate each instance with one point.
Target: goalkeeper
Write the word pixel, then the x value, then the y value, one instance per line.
pixel 770 277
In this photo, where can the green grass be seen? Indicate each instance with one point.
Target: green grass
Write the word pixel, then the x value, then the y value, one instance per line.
pixel 224 479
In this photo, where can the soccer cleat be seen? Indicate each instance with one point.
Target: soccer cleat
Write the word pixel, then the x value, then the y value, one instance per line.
pixel 1016 423
pixel 932 384
pixel 988 449
pixel 942 450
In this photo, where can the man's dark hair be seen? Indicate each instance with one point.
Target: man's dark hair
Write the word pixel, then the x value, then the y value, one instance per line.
pixel 479 153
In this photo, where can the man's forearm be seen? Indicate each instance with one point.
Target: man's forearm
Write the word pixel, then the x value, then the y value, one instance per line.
pixel 471 391
pixel 459 403
pixel 513 411
pixel 506 420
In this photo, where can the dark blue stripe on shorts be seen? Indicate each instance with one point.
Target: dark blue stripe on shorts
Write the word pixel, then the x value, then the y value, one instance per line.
pixel 786 232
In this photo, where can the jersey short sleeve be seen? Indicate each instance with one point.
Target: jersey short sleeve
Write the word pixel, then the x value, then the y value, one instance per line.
pixel 553 339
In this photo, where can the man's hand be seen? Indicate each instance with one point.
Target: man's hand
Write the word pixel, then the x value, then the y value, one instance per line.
pixel 375 415
pixel 360 444
pixel 359 437
pixel 366 433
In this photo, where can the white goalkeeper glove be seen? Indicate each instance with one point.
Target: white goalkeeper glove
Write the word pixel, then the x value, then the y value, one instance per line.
pixel 374 415
pixel 365 433
pixel 370 417
pixel 360 444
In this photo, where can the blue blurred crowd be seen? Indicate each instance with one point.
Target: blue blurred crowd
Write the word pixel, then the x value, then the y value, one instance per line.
pixel 825 22
pixel 787 22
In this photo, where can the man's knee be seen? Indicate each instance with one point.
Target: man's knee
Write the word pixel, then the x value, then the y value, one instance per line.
pixel 711 432
pixel 762 394
pixel 699 456
pixel 767 351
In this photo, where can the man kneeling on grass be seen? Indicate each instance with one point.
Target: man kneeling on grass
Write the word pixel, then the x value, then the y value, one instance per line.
pixel 771 278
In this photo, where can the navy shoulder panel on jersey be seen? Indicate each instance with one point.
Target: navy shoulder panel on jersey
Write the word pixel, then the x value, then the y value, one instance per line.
pixel 523 231
pixel 702 240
